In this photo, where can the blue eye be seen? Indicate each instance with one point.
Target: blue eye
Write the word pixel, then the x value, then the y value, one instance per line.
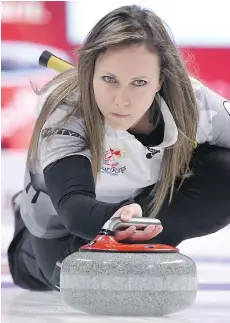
pixel 109 79
pixel 139 82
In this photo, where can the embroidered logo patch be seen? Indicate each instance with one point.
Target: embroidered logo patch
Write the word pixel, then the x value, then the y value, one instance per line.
pixel 112 159
pixel 227 106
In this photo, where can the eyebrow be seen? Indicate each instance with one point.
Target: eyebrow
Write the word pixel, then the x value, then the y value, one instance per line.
pixel 134 78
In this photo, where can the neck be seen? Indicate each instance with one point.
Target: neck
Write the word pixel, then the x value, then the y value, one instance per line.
pixel 143 126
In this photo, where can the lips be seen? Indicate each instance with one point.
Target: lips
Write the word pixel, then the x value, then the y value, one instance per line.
pixel 120 115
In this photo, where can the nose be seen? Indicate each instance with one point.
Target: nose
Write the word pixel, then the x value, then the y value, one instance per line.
pixel 121 98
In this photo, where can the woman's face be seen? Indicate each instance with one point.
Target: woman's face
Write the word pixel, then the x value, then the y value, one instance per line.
pixel 125 82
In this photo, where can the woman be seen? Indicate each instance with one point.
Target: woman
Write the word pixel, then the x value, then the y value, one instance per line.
pixel 117 136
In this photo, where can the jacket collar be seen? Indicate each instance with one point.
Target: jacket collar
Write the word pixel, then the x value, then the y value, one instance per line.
pixel 170 129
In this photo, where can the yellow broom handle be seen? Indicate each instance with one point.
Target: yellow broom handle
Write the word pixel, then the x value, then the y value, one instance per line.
pixel 49 60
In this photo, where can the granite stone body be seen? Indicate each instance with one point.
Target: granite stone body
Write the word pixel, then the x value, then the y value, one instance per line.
pixel 123 283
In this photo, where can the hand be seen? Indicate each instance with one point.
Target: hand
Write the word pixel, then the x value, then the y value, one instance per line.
pixel 131 234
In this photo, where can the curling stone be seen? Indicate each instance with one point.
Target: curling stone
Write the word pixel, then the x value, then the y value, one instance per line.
pixel 106 277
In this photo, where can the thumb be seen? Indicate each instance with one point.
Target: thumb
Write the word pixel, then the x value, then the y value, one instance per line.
pixel 126 214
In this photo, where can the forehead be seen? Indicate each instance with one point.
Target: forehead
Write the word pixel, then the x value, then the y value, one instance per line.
pixel 136 58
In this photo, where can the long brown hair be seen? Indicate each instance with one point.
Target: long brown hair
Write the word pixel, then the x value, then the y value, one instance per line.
pixel 128 25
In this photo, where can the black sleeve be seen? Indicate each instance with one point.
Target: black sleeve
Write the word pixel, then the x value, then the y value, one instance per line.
pixel 71 188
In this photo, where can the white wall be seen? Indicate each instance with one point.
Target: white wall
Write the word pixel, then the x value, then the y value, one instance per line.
pixel 192 23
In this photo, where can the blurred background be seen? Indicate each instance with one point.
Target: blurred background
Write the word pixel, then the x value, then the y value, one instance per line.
pixel 200 29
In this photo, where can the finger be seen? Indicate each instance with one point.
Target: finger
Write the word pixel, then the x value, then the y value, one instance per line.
pixel 124 234
pixel 152 231
pixel 147 234
pixel 143 234
pixel 138 236
pixel 149 229
pixel 157 231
